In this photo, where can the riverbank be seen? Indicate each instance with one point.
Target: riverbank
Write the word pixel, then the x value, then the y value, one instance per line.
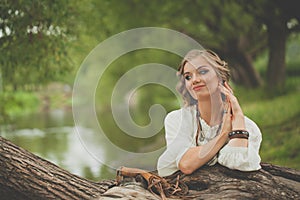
pixel 16 104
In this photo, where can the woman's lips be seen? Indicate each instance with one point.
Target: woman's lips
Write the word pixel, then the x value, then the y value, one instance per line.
pixel 198 87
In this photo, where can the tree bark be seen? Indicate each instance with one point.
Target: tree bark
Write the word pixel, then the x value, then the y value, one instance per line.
pixel 243 71
pixel 277 35
pixel 26 176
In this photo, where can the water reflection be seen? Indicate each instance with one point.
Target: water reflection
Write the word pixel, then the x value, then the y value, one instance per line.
pixel 54 136
pixel 44 135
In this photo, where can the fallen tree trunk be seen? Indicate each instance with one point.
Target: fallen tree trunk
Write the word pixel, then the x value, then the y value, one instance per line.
pixel 26 176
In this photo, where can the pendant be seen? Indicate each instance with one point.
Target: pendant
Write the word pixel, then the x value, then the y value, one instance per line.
pixel 202 136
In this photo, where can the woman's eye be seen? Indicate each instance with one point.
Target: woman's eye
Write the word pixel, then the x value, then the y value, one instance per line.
pixel 203 71
pixel 188 77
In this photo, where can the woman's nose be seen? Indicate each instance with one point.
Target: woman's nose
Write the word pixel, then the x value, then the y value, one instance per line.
pixel 196 78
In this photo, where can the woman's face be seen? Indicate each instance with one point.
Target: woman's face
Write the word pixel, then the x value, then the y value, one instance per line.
pixel 201 79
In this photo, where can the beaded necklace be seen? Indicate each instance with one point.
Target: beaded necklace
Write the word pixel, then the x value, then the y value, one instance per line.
pixel 200 131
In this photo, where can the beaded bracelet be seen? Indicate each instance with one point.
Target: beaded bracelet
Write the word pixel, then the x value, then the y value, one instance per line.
pixel 238 134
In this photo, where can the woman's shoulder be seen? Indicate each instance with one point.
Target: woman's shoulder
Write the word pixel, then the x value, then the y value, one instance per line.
pixel 180 121
pixel 181 113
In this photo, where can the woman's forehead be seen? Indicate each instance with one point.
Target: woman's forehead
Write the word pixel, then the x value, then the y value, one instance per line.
pixel 195 63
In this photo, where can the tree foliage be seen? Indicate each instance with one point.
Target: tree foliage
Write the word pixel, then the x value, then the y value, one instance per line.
pixel 238 30
pixel 216 25
pixel 35 36
pixel 33 41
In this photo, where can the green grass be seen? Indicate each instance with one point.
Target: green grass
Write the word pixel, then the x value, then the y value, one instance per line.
pixel 268 112
pixel 281 143
pixel 279 119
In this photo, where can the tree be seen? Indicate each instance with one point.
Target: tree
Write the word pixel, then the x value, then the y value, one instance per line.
pixel 217 25
pixel 280 18
pixel 238 30
pixel 24 175
pixel 33 41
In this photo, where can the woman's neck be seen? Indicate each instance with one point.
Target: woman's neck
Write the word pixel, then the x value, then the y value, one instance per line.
pixel 211 109
pixel 204 108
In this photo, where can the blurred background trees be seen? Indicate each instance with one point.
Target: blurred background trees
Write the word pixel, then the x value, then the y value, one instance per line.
pixel 280 20
pixel 37 37
pixel 34 39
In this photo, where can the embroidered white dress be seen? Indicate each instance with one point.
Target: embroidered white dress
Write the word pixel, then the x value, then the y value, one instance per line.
pixel 181 129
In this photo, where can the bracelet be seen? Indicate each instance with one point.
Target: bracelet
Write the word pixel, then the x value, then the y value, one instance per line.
pixel 242 136
pixel 238 134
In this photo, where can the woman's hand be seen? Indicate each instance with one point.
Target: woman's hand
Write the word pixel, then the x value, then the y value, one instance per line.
pixel 227 124
pixel 237 117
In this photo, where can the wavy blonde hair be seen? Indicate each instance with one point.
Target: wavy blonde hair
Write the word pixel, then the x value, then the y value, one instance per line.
pixel 219 65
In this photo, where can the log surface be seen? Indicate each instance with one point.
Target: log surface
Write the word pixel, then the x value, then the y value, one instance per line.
pixel 24 175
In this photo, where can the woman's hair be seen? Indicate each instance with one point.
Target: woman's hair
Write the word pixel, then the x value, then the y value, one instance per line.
pixel 219 65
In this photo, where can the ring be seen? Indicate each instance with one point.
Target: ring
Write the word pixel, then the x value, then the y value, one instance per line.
pixel 225 111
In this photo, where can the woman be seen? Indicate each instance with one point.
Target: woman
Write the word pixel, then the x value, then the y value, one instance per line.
pixel 211 126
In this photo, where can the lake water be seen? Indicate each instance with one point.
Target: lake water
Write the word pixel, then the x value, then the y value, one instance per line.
pixel 53 135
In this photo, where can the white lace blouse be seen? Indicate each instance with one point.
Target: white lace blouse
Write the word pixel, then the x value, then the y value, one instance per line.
pixel 181 129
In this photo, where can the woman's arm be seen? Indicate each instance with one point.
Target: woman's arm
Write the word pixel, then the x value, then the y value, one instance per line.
pixel 196 157
pixel 243 158
pixel 241 154
pixel 238 119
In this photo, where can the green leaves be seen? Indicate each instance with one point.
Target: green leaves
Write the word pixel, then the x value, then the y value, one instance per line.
pixel 34 37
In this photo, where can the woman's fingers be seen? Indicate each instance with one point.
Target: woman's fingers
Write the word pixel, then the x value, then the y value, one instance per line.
pixel 232 100
pixel 225 89
pixel 228 87
pixel 227 124
pixel 237 117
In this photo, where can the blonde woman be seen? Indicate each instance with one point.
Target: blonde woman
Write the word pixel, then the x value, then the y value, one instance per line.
pixel 211 126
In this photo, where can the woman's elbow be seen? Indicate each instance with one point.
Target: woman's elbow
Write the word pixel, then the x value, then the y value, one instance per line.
pixel 185 168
